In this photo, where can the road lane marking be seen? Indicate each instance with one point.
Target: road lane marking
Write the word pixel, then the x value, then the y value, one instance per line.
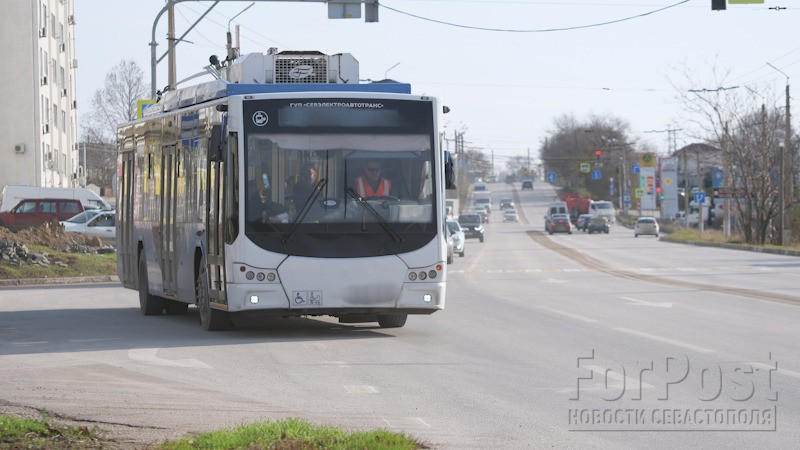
pixel 566 314
pixel 788 373
pixel 664 340
pixel 637 302
pixel 554 280
pixel 405 422
pixel 148 355
pixel 360 389
pixel 621 379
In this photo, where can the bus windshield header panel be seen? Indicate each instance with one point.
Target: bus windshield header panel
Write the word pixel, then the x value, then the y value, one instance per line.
pixel 339 178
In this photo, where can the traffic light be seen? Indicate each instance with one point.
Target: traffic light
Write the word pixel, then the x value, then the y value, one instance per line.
pixel 598 154
pixel 658 193
pixel 718 5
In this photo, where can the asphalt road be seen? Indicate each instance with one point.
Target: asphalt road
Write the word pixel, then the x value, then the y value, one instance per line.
pixel 575 340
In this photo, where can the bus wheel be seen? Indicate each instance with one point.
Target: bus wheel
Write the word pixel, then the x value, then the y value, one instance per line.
pixel 150 304
pixel 211 319
pixel 175 307
pixel 392 320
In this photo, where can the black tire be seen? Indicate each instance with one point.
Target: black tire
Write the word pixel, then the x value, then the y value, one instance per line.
pixel 176 308
pixel 392 320
pixel 211 319
pixel 635 235
pixel 656 235
pixel 150 305
pixel 449 259
pixel 461 255
pixel 481 238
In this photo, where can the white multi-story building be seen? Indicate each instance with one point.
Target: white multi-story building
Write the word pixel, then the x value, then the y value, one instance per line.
pixel 38 120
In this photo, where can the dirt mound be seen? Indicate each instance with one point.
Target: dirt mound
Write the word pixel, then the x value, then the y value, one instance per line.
pixel 50 234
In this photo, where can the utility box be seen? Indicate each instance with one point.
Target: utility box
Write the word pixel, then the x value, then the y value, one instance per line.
pixel 293 67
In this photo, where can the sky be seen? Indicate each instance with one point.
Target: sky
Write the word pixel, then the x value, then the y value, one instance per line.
pixel 506 69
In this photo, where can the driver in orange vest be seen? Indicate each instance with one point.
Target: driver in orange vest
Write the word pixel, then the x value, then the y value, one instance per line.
pixel 371 183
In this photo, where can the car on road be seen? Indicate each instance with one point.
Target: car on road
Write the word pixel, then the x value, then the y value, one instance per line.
pixel 102 224
pixel 598 224
pixel 472 225
pixel 481 211
pixel 506 203
pixel 527 184
pixel 583 222
pixel 450 250
pixel 457 234
pixel 36 211
pixel 485 202
pixel 646 225
pixel 559 223
pixel 510 215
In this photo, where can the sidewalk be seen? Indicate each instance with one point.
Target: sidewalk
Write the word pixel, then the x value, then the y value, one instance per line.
pixel 59 281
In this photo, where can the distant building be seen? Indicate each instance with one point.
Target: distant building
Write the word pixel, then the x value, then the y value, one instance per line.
pixel 695 162
pixel 38 123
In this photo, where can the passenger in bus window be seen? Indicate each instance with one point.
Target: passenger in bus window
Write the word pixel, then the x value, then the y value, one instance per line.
pixel 261 209
pixel 304 188
pixel 372 183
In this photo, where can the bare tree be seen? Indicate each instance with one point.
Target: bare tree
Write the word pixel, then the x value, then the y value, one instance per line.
pixel 746 123
pixel 572 142
pixel 112 105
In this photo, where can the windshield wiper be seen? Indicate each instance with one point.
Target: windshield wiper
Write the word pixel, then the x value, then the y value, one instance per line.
pixel 381 221
pixel 304 210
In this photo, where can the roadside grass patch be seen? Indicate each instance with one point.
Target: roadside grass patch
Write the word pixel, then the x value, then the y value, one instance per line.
pixel 18 432
pixel 79 264
pixel 294 434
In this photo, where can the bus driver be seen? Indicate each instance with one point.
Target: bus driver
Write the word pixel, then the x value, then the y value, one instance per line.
pixel 371 183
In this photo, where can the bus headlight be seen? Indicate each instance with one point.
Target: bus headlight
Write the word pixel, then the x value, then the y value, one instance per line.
pixel 254 299
pixel 427 298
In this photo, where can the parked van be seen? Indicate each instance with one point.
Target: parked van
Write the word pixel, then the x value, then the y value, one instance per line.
pixel 12 194
pixel 603 208
pixel 33 212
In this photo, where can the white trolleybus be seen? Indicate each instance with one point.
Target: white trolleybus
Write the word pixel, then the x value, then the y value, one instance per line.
pixel 285 188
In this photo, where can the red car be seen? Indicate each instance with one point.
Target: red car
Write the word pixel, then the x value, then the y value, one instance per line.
pixel 33 212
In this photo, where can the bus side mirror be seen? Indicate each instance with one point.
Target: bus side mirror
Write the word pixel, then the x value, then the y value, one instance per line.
pixel 217 144
pixel 449 172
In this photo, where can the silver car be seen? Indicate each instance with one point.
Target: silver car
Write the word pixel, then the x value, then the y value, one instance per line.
pixel 646 225
pixel 510 215
pixel 457 234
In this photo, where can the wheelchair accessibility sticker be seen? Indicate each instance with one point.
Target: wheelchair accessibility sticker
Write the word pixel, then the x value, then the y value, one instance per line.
pixel 307 298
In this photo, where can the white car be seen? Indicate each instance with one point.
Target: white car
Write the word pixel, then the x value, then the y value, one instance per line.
pixel 459 240
pixel 101 224
pixel 646 225
pixel 510 215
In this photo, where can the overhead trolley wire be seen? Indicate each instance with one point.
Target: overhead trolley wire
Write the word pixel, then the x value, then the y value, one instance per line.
pixel 539 30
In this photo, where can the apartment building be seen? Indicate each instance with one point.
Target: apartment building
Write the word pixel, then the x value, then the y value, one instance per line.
pixel 38 117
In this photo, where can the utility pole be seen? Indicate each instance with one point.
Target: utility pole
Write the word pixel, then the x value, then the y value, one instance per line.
pixel 727 177
pixel 686 188
pixel 786 191
pixel 700 219
pixel 171 45
pixel 789 178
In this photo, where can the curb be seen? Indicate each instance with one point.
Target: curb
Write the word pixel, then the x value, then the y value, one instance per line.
pixel 742 247
pixel 60 281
